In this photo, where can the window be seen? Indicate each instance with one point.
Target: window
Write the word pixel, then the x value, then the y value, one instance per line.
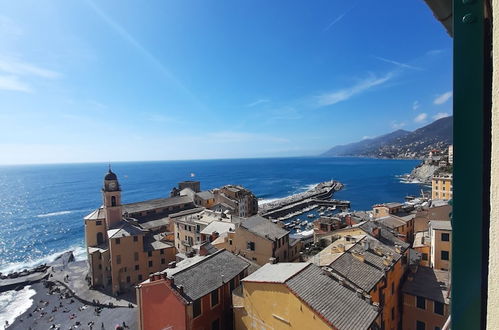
pixel 214 297
pixel 232 285
pixel 420 325
pixel 163 261
pixel 118 260
pixel 136 256
pixel 150 263
pixel 128 279
pixel 425 256
pixel 230 242
pixel 100 238
pixel 135 238
pixel 196 308
pixel 444 255
pixel 445 237
pixel 250 246
pixel 162 251
pixel 149 254
pixel 393 313
pixel 136 267
pixel 215 325
pixel 420 302
pixel 178 235
pixel 98 223
pixel 118 241
pixel 113 200
pixel 438 308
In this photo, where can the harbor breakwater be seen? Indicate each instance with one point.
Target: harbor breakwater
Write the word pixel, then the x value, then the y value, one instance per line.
pixel 320 195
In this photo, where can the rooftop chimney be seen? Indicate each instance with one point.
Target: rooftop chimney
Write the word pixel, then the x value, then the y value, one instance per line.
pixel 365 244
pixel 272 260
pixel 359 293
pixel 172 264
pixel 358 255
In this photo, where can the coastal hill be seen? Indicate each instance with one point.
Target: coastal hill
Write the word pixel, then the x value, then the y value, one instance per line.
pixel 400 143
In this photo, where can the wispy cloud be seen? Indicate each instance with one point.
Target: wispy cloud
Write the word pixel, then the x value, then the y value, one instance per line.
pixel 338 18
pixel 17 67
pixel 397 124
pixel 399 64
pixel 440 115
pixel 12 83
pixel 421 118
pixel 434 52
pixel 346 93
pixel 233 136
pixel 415 105
pixel 123 33
pixel 257 102
pixel 15 74
pixel 441 99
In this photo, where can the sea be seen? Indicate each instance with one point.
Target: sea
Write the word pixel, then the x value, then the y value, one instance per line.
pixel 42 206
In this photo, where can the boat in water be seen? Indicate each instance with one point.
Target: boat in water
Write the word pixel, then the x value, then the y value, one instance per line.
pixel 310 215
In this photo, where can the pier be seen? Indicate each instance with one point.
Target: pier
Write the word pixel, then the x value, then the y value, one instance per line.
pixel 316 197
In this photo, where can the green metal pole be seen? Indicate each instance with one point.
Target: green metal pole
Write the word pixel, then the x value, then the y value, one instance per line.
pixel 470 197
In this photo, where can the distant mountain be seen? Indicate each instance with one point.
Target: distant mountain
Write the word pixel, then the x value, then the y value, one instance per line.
pixel 400 143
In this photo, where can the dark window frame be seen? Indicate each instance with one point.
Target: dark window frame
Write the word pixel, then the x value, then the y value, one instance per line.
pixel 214 293
pixel 197 308
pixel 421 301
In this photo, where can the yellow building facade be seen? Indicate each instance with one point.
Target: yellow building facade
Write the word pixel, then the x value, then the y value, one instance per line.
pixel 299 296
pixel 441 187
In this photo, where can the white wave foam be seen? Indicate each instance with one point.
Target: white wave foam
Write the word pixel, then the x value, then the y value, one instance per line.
pixel 267 200
pixel 308 187
pixel 54 214
pixel 414 181
pixel 79 253
pixel 14 303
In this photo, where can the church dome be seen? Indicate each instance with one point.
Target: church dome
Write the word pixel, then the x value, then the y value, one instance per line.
pixel 110 176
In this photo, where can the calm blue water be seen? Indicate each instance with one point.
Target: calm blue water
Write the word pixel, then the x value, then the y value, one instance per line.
pixel 42 206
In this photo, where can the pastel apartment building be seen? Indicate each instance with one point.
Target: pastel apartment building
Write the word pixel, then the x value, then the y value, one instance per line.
pixel 188 226
pixel 385 209
pixel 195 293
pixel 426 295
pixel 373 260
pixel 257 239
pixel 441 187
pixel 127 242
pixel 300 296
pixel 440 234
pixel 241 201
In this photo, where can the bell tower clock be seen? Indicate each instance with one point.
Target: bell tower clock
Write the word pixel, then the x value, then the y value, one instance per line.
pixel 111 193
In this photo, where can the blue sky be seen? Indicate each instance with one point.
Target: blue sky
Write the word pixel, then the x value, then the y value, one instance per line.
pixel 89 81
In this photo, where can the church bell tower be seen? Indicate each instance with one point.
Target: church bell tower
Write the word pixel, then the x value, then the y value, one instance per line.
pixel 111 193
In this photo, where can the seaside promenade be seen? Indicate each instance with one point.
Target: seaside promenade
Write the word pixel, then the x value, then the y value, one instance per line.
pixel 65 301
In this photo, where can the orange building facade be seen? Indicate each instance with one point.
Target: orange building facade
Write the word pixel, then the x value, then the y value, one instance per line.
pixel 194 294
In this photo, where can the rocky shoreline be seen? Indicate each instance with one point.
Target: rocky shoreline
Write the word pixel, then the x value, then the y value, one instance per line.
pixel 421 174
